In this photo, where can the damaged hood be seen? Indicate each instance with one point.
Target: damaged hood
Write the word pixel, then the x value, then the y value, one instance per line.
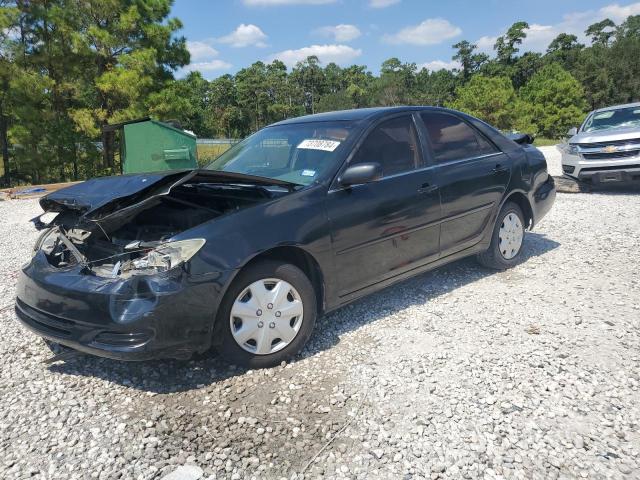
pixel 107 194
pixel 97 192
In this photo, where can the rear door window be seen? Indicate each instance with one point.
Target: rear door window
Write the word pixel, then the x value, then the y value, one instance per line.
pixel 453 139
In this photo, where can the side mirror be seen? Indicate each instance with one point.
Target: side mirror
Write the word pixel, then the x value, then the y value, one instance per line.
pixel 361 173
pixel 572 131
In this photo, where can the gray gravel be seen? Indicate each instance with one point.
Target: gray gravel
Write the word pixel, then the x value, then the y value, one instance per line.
pixel 459 373
pixel 554 159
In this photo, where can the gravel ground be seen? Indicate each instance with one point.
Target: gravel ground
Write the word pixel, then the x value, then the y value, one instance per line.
pixel 459 373
pixel 554 159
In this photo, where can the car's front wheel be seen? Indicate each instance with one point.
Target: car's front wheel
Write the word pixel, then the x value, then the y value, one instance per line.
pixel 267 315
pixel 507 239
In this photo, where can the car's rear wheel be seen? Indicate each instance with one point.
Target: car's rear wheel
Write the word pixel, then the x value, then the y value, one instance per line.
pixel 267 315
pixel 507 239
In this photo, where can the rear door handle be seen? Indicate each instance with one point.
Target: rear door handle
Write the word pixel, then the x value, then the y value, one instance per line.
pixel 427 188
pixel 499 169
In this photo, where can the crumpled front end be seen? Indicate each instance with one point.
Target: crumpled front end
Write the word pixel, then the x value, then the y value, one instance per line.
pixel 137 318
pixel 123 278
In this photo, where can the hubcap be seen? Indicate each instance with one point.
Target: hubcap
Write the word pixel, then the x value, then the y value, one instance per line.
pixel 266 316
pixel 511 234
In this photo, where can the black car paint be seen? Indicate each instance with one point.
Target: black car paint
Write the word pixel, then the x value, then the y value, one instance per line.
pixel 352 240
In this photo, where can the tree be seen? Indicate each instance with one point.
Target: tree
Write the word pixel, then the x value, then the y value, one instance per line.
pixel 506 46
pixel 8 22
pixel 565 49
pixel 283 94
pixel 493 99
pixel 592 70
pixel 601 32
pixel 396 83
pixel 359 84
pixel 253 94
pixel 470 62
pixel 630 28
pixel 623 61
pixel 525 67
pixel 130 50
pixel 555 100
pixel 67 67
pixel 435 88
pixel 340 100
pixel 184 100
pixel 223 116
pixel 310 78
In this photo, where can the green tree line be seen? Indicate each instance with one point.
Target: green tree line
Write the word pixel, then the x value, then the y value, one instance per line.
pixel 69 67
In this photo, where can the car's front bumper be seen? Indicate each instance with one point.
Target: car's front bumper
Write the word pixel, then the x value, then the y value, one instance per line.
pixel 613 170
pixel 143 317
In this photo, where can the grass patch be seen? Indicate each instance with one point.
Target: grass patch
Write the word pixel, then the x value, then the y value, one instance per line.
pixel 546 142
pixel 207 153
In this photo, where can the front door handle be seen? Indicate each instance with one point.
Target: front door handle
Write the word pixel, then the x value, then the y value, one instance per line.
pixel 499 169
pixel 427 188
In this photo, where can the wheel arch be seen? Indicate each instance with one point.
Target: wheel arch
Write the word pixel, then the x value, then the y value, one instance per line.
pixel 300 258
pixel 520 198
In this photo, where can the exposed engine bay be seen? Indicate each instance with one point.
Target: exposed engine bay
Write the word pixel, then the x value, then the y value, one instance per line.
pixel 134 237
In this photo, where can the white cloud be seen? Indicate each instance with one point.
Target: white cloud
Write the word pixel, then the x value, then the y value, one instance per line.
pixel 486 43
pixel 203 58
pixel 271 3
pixel 339 54
pixel 340 33
pixel 208 66
pixel 539 36
pixel 201 50
pixel 429 32
pixel 382 3
pixel 619 13
pixel 244 36
pixel 436 65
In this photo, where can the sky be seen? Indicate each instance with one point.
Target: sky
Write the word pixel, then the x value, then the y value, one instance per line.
pixel 226 35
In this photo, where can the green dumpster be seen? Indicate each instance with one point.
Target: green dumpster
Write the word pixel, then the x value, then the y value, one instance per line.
pixel 148 145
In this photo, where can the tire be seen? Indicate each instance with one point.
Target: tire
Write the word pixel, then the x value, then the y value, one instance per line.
pixel 503 258
pixel 253 339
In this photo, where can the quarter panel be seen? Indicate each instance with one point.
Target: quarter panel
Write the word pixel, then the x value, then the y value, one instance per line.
pixel 471 190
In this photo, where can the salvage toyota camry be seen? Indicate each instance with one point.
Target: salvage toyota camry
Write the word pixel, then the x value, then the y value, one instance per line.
pixel 297 220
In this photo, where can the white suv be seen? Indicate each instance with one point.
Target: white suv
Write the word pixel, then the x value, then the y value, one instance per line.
pixel 606 147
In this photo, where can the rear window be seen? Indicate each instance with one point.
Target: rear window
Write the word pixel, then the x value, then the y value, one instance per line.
pixel 453 139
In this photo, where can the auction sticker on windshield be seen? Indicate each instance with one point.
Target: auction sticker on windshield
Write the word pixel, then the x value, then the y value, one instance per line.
pixel 314 144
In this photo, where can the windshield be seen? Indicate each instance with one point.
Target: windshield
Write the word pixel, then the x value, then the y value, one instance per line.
pixel 621 118
pixel 298 153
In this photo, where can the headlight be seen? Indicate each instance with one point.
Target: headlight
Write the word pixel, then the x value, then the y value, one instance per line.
pixel 166 256
pixel 572 149
pixel 46 241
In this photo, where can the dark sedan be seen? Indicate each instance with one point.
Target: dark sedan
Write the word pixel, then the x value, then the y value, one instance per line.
pixel 297 220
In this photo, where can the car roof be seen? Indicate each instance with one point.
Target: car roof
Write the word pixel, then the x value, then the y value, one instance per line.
pixel 617 107
pixel 354 115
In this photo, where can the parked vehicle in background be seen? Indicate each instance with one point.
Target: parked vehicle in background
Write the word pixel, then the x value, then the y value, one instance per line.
pixel 606 147
pixel 297 220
